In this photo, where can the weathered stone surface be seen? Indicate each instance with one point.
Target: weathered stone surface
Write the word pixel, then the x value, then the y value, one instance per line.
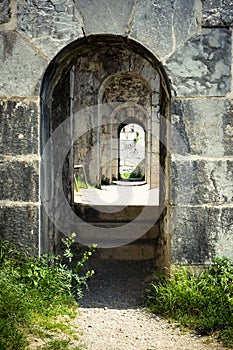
pixel 20 224
pixel 50 25
pixel 111 17
pixel 163 25
pixel 25 80
pixel 224 243
pixel 18 127
pixel 202 127
pixel 19 181
pixel 202 66
pixel 201 181
pixel 217 13
pixel 227 120
pixel 5 11
pixel 199 234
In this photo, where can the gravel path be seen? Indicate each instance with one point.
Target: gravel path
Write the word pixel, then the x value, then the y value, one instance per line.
pixel 113 318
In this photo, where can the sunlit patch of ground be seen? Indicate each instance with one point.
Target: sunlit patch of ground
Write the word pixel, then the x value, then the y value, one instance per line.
pixel 119 194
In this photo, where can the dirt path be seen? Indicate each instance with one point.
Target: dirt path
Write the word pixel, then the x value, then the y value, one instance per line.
pixel 113 318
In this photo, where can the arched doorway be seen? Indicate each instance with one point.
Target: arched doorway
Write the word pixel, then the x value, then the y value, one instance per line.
pixel 91 88
pixel 132 152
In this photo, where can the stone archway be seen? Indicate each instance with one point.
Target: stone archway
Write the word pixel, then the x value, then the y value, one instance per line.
pixel 96 76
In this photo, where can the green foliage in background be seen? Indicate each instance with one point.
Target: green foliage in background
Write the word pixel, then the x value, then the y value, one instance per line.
pixel 134 175
pixel 203 303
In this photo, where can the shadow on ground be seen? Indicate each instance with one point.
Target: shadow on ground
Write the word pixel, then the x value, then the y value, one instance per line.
pixel 117 284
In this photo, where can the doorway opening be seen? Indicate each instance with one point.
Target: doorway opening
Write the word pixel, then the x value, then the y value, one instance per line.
pixel 93 92
pixel 131 152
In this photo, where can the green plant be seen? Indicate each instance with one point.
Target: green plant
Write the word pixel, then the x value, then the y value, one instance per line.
pixel 203 303
pixel 136 174
pixel 61 344
pixel 34 291
pixel 56 275
pixel 80 183
pixel 13 311
pixel 78 280
pixel 7 251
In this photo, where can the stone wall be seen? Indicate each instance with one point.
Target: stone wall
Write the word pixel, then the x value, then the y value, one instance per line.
pixel 192 46
pixel 201 165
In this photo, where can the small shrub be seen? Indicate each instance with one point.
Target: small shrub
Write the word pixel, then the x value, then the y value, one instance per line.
pixel 203 303
pixel 105 180
pixel 35 289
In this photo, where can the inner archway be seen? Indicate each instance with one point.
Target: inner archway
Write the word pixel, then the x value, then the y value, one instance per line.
pixel 93 86
pixel 132 152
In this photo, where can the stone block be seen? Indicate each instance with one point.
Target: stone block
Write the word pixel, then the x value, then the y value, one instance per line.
pixel 18 127
pixel 19 181
pixel 163 25
pixel 202 66
pixel 224 244
pixel 20 224
pixel 5 11
pixel 21 67
pixel 155 169
pixel 154 143
pixel 227 123
pixel 195 233
pixel 100 17
pixel 51 25
pixel 202 127
pixel 217 13
pixel 201 181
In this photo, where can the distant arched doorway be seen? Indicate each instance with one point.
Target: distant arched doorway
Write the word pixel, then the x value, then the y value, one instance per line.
pixel 132 152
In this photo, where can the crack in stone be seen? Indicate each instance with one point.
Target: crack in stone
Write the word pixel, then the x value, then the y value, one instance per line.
pixel 128 29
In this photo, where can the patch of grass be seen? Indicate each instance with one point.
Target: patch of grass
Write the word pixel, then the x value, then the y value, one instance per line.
pixel 14 313
pixel 61 344
pixel 203 303
pixel 79 183
pixel 38 296
pixel 133 175
pixel 48 323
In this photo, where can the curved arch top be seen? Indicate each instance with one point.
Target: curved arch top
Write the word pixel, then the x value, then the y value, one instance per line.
pixel 65 58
